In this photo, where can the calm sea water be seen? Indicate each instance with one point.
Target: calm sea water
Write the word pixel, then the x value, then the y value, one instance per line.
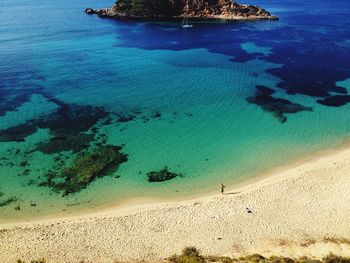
pixel 220 102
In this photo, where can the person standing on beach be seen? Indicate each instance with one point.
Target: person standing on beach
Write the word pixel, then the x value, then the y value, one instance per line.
pixel 222 188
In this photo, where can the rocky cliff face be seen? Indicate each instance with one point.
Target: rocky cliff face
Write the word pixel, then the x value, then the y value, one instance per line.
pixel 172 9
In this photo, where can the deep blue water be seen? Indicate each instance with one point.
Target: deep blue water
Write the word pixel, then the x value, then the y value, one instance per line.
pixel 310 42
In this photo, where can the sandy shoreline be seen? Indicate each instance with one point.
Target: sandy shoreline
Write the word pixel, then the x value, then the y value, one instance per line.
pixel 301 210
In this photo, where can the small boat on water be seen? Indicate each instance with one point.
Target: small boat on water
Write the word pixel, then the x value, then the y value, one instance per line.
pixel 185 23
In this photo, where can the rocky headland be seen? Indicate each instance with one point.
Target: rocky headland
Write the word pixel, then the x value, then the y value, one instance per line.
pixel 177 9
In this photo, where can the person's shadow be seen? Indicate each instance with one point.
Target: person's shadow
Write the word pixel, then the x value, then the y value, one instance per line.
pixel 232 193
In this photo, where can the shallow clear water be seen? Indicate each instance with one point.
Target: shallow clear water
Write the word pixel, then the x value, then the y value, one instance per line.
pixel 217 103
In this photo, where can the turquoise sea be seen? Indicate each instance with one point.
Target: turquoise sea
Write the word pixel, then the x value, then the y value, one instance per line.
pixel 218 103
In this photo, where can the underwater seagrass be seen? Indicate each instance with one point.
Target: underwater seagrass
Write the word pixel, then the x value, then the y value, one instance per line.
pixel 86 167
pixel 8 201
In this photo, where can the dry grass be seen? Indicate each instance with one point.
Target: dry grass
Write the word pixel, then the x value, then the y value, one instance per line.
pixel 195 257
pixel 336 240
pixel 192 255
pixel 33 261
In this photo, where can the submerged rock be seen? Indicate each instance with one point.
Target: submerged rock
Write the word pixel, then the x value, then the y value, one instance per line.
pixel 278 107
pixel 125 118
pixel 85 168
pixel 162 175
pixel 156 115
pixel 89 11
pixel 175 9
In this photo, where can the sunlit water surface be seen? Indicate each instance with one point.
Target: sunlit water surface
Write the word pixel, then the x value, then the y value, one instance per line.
pixel 220 102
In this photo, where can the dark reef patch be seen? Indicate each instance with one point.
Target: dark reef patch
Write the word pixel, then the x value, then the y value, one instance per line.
pixel 24 164
pixel 335 101
pixel 72 119
pixel 278 107
pixel 156 115
pixel 26 172
pixel 125 118
pixel 72 128
pixel 75 143
pixel 18 133
pixel 18 83
pixel 162 175
pixel 67 126
pixel 85 168
pixel 11 98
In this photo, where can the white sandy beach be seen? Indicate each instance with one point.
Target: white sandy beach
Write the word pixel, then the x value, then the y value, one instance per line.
pixel 298 211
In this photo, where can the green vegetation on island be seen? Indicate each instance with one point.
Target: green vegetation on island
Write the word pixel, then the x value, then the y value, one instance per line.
pixel 175 9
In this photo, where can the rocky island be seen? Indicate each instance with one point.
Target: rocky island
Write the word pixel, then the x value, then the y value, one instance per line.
pixel 177 9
